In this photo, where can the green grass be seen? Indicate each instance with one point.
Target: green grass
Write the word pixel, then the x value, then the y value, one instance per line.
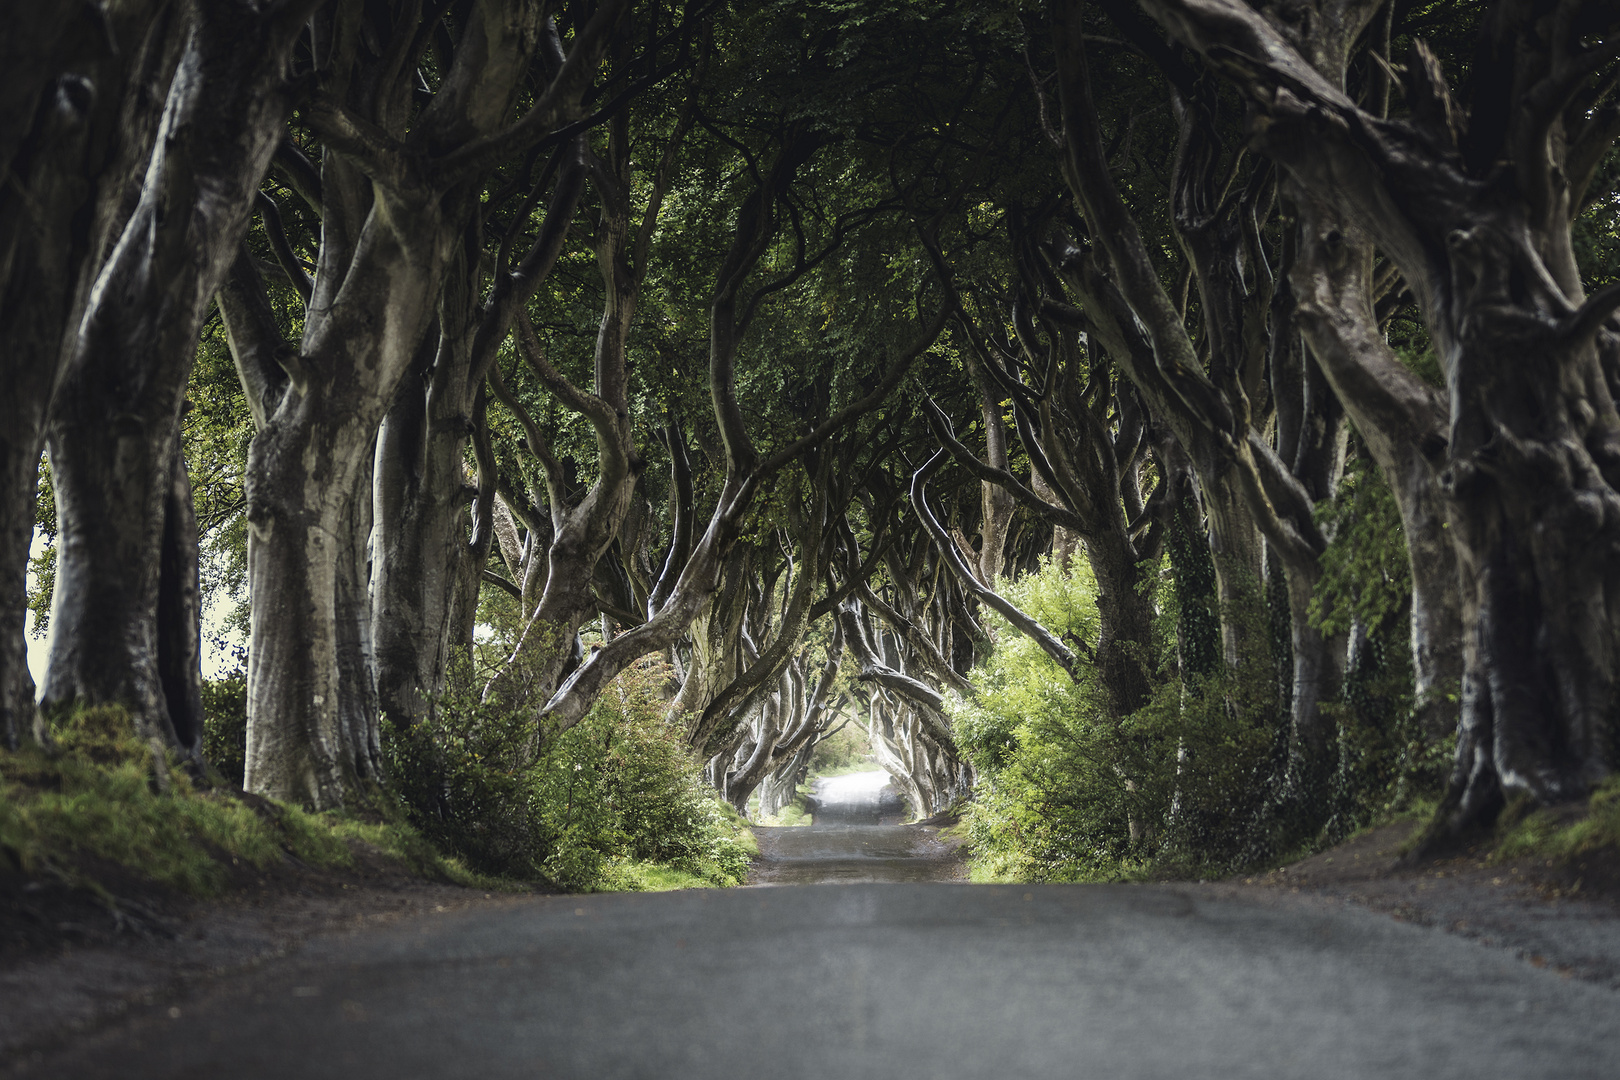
pixel 634 875
pixel 101 792
pixel 631 876
pixel 741 834
pixel 1550 834
pixel 791 816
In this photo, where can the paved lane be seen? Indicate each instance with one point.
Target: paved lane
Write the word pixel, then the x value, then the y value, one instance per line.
pixel 881 981
pixel 854 838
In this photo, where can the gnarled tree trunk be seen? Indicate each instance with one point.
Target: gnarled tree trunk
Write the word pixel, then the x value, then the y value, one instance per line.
pixel 1473 203
pixel 114 431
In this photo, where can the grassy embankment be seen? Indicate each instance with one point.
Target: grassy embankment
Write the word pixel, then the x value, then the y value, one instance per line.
pixel 102 796
pixel 1566 836
pixel 101 793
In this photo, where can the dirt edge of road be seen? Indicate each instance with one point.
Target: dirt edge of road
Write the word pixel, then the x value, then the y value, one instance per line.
pixel 1551 914
pixel 72 960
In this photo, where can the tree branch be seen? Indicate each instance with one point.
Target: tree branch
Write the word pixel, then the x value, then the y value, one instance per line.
pixel 1590 317
pixel 506 586
pixel 857 409
pixel 940 425
pixel 559 103
pixel 965 576
pixel 277 233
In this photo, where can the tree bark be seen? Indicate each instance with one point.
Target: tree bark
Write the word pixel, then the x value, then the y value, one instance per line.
pixel 583 532
pixel 179 612
pixel 398 190
pixel 1249 493
pixel 745 469
pixel 1533 449
pixel 114 429
pixel 1401 420
pixel 76 123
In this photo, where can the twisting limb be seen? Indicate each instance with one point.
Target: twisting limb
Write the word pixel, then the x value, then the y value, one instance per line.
pixel 969 581
pixel 558 105
pixel 940 425
pixel 279 244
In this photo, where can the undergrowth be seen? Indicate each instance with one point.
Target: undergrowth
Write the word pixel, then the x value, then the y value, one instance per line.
pixel 1197 783
pixel 593 808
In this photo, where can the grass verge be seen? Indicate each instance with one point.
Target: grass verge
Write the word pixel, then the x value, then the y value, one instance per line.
pixel 1564 834
pixel 102 792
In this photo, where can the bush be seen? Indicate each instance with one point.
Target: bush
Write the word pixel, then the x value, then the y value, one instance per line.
pixel 616 790
pixel 1198 781
pixel 1065 793
pixel 224 741
pixel 849 749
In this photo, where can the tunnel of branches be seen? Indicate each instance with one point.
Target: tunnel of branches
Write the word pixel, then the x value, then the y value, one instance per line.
pixel 788 360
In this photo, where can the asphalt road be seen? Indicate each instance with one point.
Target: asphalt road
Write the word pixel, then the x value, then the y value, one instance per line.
pixel 892 981
pixel 856 837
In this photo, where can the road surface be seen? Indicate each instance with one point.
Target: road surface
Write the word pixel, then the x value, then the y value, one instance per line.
pixel 871 980
pixel 856 837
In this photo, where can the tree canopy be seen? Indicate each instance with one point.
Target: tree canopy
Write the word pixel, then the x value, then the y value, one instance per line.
pixel 1179 425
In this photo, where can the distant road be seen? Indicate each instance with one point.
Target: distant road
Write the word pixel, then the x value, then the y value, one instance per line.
pixel 856 837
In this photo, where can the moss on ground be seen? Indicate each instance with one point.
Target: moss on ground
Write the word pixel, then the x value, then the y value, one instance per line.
pixel 1563 833
pixel 103 792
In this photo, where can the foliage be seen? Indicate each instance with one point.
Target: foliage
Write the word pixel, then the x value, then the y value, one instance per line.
pixel 216 428
pixel 42 563
pixel 848 749
pixel 1383 760
pixel 1365 572
pixel 617 789
pixel 1182 787
pixel 1065 794
pixel 101 792
pixel 224 742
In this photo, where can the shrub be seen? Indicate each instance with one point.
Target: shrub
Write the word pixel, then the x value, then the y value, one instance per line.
pixel 1066 793
pixel 848 748
pixel 224 741
pixel 1198 781
pixel 615 790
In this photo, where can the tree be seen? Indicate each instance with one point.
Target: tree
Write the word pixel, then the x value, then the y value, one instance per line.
pixel 1250 488
pixel 397 187
pixel 1473 200
pixel 125 612
pixel 79 118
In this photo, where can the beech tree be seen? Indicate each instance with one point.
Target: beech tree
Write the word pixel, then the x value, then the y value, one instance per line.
pixel 1472 199
pixel 126 536
pixel 159 120
pixel 734 303
pixel 1250 487
pixel 76 132
pixel 398 186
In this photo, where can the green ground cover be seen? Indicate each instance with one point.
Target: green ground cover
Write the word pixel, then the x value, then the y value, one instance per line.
pixel 616 803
